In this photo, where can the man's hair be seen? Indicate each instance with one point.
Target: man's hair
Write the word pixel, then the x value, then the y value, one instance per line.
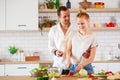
pixel 61 8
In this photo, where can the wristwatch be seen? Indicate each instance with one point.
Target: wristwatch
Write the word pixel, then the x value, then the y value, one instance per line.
pixel 55 52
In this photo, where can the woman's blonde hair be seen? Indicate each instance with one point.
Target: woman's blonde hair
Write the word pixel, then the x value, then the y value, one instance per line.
pixel 82 13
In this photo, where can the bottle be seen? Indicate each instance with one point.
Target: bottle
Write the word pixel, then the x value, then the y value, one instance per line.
pixel 68 4
pixel 57 4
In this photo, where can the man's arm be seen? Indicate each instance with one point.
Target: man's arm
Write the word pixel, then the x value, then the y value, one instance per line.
pixel 51 42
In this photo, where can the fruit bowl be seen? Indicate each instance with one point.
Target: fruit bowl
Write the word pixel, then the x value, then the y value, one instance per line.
pixel 110 24
pixel 40 72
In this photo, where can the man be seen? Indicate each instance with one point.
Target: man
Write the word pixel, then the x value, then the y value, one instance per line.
pixel 58 36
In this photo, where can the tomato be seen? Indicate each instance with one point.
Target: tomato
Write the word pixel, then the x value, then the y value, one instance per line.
pixel 70 73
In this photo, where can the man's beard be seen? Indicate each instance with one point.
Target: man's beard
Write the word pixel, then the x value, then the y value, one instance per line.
pixel 66 22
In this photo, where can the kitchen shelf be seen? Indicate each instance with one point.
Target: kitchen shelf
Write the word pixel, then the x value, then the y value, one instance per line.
pixel 89 10
pixel 93 29
pixel 106 28
pixel 107 61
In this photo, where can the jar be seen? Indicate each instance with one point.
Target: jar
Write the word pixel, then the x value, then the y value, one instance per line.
pixel 54 72
pixel 102 5
pixel 99 5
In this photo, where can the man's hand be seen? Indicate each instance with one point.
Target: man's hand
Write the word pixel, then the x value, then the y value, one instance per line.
pixel 80 66
pixel 59 53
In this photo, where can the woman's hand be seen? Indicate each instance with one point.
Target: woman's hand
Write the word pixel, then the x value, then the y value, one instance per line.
pixel 79 66
pixel 68 64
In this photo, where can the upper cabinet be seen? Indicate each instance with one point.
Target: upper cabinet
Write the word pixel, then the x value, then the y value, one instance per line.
pixel 21 14
pixel 2 14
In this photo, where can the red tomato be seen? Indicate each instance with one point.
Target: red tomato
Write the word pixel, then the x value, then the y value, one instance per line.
pixel 70 74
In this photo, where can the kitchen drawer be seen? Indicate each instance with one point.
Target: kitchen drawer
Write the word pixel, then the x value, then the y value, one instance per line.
pixel 19 69
pixel 1 70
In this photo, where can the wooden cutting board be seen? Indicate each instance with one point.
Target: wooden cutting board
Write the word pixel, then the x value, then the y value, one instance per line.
pixel 32 58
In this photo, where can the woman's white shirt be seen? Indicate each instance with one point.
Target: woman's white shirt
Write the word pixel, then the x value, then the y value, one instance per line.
pixel 81 44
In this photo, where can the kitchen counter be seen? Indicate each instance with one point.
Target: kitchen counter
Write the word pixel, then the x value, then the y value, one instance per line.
pixel 32 78
pixel 16 78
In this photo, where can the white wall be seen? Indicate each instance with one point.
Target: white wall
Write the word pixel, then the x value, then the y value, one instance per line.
pixel 34 40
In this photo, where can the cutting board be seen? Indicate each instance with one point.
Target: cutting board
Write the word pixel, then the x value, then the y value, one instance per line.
pixel 32 58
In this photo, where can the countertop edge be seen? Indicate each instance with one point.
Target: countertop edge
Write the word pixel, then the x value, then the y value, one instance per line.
pixel 45 62
pixel 26 62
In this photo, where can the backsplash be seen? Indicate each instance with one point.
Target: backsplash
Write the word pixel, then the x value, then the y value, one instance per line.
pixel 35 41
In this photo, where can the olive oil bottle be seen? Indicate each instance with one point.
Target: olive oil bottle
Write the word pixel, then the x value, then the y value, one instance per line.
pixel 57 4
pixel 68 4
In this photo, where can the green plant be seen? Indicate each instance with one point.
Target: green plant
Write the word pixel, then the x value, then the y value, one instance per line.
pixel 51 3
pixel 12 49
pixel 47 23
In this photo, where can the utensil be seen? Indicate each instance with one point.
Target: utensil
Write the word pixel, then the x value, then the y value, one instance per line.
pixel 119 45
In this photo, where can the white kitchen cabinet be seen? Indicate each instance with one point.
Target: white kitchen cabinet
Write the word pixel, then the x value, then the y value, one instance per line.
pixel 2 14
pixel 1 70
pixel 114 67
pixel 21 14
pixel 100 66
pixel 19 69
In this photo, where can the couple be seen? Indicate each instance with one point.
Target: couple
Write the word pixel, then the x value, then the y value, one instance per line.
pixel 71 46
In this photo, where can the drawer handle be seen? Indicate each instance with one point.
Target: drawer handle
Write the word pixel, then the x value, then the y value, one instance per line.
pixel 22 67
pixel 22 25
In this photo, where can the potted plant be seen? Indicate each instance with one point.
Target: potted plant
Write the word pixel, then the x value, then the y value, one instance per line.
pixel 13 50
pixel 47 23
pixel 13 53
pixel 50 4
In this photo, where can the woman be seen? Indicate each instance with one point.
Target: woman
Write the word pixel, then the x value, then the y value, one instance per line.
pixel 83 41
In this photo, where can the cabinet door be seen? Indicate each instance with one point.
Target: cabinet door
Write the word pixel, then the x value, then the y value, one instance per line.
pixel 21 14
pixel 114 67
pixel 1 70
pixel 19 69
pixel 2 14
pixel 100 66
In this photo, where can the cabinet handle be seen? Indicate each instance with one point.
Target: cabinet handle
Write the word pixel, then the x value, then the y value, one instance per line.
pixel 22 68
pixel 22 25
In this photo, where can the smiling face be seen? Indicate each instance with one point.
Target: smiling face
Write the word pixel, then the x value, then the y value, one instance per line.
pixel 83 23
pixel 64 17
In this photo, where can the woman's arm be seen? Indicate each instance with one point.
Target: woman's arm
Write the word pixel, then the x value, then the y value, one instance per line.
pixel 91 57
pixel 88 60
pixel 68 52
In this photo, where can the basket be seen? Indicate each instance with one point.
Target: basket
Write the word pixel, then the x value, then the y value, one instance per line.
pixel 38 74
pixel 85 4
